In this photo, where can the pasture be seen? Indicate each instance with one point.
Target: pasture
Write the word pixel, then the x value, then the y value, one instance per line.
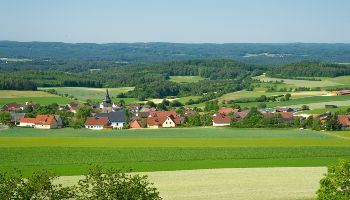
pixel 186 79
pixel 10 96
pixel 325 82
pixel 240 183
pixel 84 93
pixel 69 152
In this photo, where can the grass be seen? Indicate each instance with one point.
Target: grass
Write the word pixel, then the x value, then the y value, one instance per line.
pixel 23 94
pixel 324 110
pixel 40 100
pixel 186 79
pixel 240 183
pixel 84 93
pixel 313 101
pixel 68 151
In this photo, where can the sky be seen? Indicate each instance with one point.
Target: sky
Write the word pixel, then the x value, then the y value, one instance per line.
pixel 178 21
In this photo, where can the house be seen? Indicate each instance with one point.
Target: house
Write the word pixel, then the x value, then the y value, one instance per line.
pixel 144 112
pixel 136 124
pixel 97 123
pixel 13 107
pixel 220 119
pixel 134 108
pixel 15 117
pixel 47 122
pixel 283 116
pixel 117 119
pixel 344 121
pixel 165 119
pixel 41 122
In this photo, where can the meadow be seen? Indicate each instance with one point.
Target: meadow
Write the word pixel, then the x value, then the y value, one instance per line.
pixel 186 79
pixel 11 96
pixel 69 152
pixel 84 93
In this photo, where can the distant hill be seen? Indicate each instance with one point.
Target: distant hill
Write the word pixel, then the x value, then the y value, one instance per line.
pixel 157 52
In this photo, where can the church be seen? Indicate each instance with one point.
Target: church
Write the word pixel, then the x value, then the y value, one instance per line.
pixel 107 105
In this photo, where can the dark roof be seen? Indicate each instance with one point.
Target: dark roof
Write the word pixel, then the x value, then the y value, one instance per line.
pixel 17 116
pixel 118 116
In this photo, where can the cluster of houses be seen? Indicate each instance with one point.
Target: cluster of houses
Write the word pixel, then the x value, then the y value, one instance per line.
pixel 111 116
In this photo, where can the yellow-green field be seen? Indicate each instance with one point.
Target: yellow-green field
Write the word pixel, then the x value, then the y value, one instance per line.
pixel 232 183
pixel 325 82
pixel 23 94
pixel 84 93
pixel 10 96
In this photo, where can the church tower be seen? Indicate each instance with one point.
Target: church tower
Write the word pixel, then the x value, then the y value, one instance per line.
pixel 107 105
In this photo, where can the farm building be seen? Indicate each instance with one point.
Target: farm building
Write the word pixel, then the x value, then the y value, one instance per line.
pixel 165 119
pixel 227 111
pixel 220 119
pixel 97 123
pixel 344 121
pixel 117 119
pixel 284 109
pixel 16 117
pixel 42 122
pixel 342 92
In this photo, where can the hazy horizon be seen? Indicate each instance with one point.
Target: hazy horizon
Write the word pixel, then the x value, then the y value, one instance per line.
pixel 188 22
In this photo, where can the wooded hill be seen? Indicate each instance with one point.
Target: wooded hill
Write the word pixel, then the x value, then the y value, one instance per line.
pixel 160 52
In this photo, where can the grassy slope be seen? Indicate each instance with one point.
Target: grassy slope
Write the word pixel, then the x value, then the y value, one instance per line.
pixel 186 79
pixel 69 151
pixel 83 93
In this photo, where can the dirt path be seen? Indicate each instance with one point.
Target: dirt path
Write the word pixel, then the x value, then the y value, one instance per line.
pixel 236 183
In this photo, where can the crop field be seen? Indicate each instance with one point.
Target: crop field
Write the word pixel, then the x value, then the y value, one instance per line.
pixel 23 94
pixel 84 93
pixel 40 100
pixel 69 152
pixel 240 183
pixel 186 79
pixel 325 82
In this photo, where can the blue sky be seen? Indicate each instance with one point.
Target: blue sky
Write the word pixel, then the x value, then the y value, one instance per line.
pixel 187 21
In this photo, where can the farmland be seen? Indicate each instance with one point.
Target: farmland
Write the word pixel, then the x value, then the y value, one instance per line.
pixel 84 93
pixel 10 96
pixel 240 183
pixel 68 151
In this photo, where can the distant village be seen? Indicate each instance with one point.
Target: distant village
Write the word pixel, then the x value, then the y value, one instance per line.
pixel 109 116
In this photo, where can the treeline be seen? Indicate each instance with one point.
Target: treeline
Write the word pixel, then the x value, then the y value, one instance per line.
pixel 32 79
pixel 309 69
pixel 17 84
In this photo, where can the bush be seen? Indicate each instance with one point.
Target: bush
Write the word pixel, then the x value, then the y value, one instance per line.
pixel 99 183
pixel 336 183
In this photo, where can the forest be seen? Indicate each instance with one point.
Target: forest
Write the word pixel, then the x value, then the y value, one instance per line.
pixel 272 54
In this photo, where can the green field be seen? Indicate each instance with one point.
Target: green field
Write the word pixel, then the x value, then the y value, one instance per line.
pixel 11 96
pixel 313 102
pixel 324 83
pixel 68 151
pixel 84 93
pixel 186 79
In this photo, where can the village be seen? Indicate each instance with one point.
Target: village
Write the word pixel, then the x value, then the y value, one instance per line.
pixel 114 116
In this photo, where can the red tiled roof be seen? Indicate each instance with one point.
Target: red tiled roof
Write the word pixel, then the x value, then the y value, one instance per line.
pixel 160 120
pixel 27 120
pixel 162 113
pixel 45 119
pixel 135 124
pixel 226 111
pixel 221 118
pixel 286 115
pixel 241 115
pixel 344 120
pixel 343 92
pixel 103 121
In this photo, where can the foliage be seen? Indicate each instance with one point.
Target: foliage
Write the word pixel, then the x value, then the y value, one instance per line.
pixel 102 184
pixel 336 183
pixel 5 117
pixel 99 183
pixel 38 186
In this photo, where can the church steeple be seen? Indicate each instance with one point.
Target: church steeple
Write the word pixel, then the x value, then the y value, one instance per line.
pixel 107 99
